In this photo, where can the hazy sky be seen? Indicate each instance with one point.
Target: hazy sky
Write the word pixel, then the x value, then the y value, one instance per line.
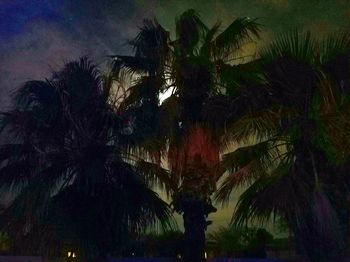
pixel 37 35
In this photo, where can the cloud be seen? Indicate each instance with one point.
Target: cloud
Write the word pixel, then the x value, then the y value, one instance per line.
pixel 47 32
pixel 30 56
pixel 93 28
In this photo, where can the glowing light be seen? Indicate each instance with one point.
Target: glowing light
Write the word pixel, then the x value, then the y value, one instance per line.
pixel 205 255
pixel 71 254
pixel 165 95
pixel 179 256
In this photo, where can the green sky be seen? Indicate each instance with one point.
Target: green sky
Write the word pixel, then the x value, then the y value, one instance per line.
pixel 277 16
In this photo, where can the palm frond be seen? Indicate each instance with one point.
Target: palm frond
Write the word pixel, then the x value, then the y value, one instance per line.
pixel 36 93
pixel 334 60
pixel 294 44
pixel 232 77
pixel 248 164
pixel 156 175
pixel 26 124
pixel 206 48
pixel 332 136
pixel 267 152
pixel 116 86
pixel 189 31
pixel 328 112
pixel 258 124
pixel 234 36
pixel 243 176
pixel 277 194
pixel 333 46
pixel 152 42
pixel 216 110
pixel 133 65
pixel 145 90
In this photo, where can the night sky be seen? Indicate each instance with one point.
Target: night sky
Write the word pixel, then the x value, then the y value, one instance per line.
pixel 37 36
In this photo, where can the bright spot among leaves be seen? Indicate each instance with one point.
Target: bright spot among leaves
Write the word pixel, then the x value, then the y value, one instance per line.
pixel 165 95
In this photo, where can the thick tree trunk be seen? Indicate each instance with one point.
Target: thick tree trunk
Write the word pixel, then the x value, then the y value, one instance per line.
pixel 195 223
pixel 193 202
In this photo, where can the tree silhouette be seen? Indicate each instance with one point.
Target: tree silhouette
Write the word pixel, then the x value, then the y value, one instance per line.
pixel 186 127
pixel 68 169
pixel 297 168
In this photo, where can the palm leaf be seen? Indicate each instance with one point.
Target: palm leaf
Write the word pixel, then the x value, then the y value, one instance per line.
pixel 248 164
pixel 277 194
pixel 334 46
pixel 258 124
pixel 244 176
pixel 36 93
pixel 189 30
pixel 232 77
pixel 294 44
pixel 206 48
pixel 156 175
pixel 132 64
pixel 234 36
pixel 152 43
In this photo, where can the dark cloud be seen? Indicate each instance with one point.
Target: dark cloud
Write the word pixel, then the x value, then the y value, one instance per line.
pixel 37 35
pixel 14 15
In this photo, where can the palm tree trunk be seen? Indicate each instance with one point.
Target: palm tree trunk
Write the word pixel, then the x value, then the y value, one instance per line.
pixel 195 224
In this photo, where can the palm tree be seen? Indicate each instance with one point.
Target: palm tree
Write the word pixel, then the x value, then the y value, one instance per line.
pixel 68 169
pixel 297 168
pixel 197 68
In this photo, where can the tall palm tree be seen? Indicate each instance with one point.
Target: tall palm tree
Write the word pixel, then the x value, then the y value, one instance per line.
pixel 197 68
pixel 297 168
pixel 67 167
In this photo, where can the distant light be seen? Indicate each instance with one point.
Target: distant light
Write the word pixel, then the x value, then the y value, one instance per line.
pixel 205 255
pixel 179 256
pixel 71 254
pixel 133 254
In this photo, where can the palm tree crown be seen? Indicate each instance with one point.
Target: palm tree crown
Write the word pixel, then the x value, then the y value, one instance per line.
pixel 297 161
pixel 196 68
pixel 71 176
